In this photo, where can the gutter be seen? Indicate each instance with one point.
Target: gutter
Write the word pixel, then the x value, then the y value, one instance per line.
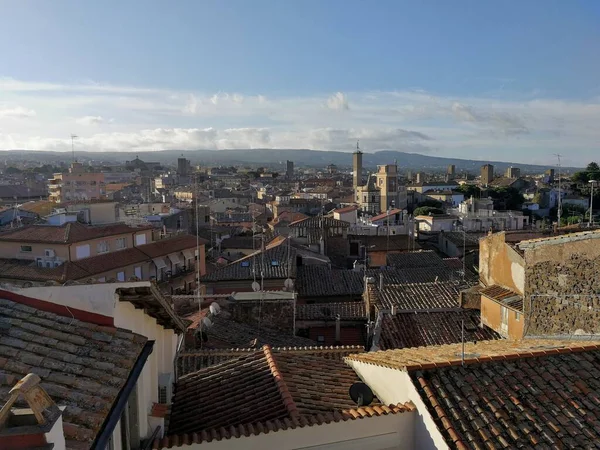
pixel 108 427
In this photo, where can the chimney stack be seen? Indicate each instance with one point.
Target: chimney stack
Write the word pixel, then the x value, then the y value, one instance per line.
pixel 38 426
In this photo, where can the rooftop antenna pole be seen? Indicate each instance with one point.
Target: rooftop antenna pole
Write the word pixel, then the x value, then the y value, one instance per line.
pixel 462 339
pixel 73 137
pixel 559 191
pixel 197 261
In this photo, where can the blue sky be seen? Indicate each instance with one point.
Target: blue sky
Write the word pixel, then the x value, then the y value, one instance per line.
pixel 513 80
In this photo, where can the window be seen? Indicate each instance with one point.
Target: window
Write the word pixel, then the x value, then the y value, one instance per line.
pixel 102 247
pixel 517 316
pixel 26 248
pixel 138 272
pixel 82 251
pixel 320 338
pixel 274 263
pixel 121 276
pixel 120 243
pixel 140 239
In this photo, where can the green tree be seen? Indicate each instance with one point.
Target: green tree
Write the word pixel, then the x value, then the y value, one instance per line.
pixel 426 211
pixel 13 171
pixel 469 190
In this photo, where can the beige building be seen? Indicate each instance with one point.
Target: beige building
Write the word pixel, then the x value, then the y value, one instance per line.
pixel 74 252
pixel 76 184
pixel 487 174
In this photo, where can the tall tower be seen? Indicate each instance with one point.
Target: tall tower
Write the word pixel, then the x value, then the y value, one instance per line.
pixel 289 170
pixel 451 172
pixel 387 182
pixel 357 168
pixel 487 174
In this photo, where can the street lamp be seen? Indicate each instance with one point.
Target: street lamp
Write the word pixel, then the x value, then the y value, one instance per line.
pixel 591 201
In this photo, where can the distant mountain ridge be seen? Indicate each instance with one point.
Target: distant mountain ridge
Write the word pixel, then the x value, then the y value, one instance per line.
pixel 276 157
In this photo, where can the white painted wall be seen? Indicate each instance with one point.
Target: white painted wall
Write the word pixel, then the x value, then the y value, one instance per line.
pixel 394 386
pixel 56 434
pixel 394 431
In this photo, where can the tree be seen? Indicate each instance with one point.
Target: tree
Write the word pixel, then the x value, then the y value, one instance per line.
pixel 469 190
pixel 12 171
pixel 507 198
pixel 431 203
pixel 591 172
pixel 426 211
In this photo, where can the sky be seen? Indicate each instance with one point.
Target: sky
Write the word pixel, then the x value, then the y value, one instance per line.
pixel 507 80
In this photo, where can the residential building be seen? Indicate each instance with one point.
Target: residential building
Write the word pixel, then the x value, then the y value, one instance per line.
pixel 14 194
pixel 487 174
pixel 451 198
pixel 436 222
pixel 479 215
pixel 422 187
pixel 120 341
pixel 76 184
pixel 451 171
pixel 513 172
pixel 347 214
pixel 184 168
pixel 368 196
pixel 289 170
pixel 73 252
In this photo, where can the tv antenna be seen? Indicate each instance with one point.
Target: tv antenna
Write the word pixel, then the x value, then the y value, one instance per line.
pixel 361 394
pixel 559 212
pixel 73 137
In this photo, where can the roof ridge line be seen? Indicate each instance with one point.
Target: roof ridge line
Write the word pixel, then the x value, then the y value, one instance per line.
pixel 286 396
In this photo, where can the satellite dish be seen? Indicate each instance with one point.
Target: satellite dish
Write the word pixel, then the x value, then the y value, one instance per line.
pixel 361 394
pixel 288 283
pixel 255 286
pixel 206 323
pixel 214 308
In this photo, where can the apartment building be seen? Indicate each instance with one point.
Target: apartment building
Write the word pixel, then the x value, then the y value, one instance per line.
pixel 76 184
pixel 74 252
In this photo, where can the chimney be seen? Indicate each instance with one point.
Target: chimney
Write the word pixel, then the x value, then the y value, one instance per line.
pixel 38 426
pixel 380 281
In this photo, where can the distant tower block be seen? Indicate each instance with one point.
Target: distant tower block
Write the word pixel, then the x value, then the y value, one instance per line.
pixel 487 174
pixel 357 168
pixel 420 177
pixel 451 172
pixel 289 170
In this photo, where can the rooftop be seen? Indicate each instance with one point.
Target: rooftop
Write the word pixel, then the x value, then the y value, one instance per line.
pixel 386 214
pixel 66 234
pixel 322 281
pixel 533 398
pixel 319 222
pixel 504 296
pixel 432 328
pixel 396 243
pixel 265 390
pixel 330 311
pixel 442 295
pixel 423 258
pixel 82 366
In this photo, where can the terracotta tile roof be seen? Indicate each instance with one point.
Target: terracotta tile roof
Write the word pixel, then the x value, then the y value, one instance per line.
pixel 319 222
pixel 82 366
pixel 423 258
pixel 442 295
pixel 228 333
pixel 16 269
pixel 110 261
pixel 420 358
pixel 504 296
pixel 386 214
pixel 392 276
pixel 149 298
pixel 395 243
pixel 170 245
pixel 537 399
pixel 329 311
pixel 322 281
pixel 192 361
pixel 264 391
pixel 41 207
pixel 289 216
pixel 432 328
pixel 256 429
pixel 276 262
pixel 471 240
pixel 66 234
pixel 346 209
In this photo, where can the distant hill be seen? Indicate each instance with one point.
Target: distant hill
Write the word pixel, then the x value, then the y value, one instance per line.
pixel 277 157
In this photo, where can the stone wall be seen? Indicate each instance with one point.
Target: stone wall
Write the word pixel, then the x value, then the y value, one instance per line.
pixel 563 296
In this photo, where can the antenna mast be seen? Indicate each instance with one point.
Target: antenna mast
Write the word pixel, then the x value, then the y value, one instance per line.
pixel 559 190
pixel 73 137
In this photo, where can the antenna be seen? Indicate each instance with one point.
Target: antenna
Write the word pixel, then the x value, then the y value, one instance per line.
pixel 559 190
pixel 73 137
pixel 361 394
pixel 357 147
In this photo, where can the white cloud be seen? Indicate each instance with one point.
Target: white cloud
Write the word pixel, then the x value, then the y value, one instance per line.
pixel 17 113
pixel 338 101
pixel 91 120
pixel 518 129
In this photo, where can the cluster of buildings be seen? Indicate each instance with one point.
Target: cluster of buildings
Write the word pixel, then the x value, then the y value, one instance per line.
pixel 252 309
